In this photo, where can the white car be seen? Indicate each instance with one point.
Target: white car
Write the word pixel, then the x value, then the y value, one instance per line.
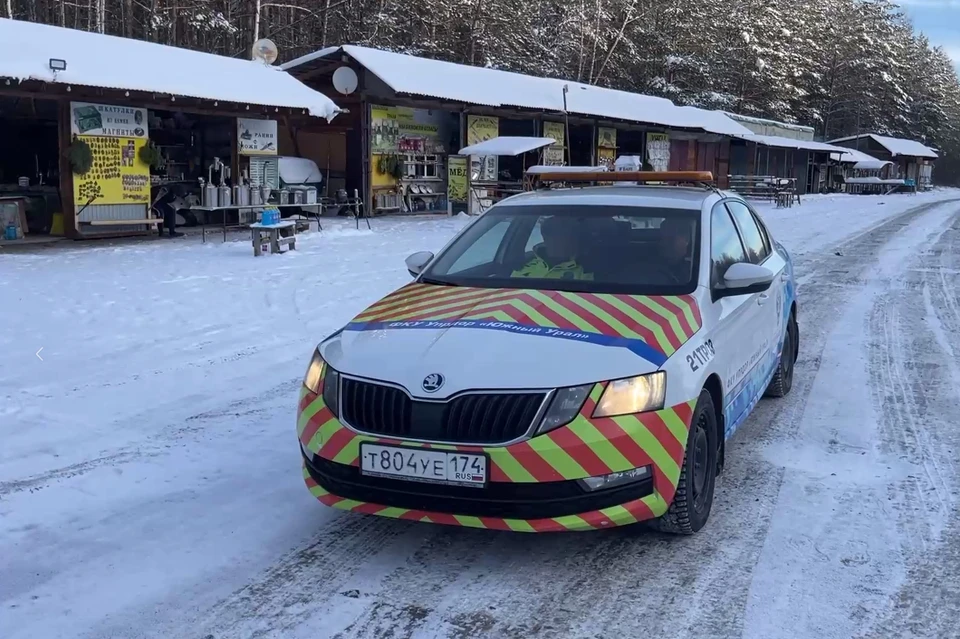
pixel 573 359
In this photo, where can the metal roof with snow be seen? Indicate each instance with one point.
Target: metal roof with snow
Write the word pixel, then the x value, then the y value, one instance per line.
pixel 416 76
pixel 110 62
pixel 896 146
pixel 506 145
pixel 790 143
pixel 860 160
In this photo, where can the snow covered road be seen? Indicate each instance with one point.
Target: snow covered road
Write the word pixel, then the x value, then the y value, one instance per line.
pixel 150 484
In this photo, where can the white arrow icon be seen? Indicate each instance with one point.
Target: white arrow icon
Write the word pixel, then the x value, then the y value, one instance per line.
pixel 38 354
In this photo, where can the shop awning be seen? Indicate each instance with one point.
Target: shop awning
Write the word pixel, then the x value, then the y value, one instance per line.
pixel 506 145
pixel 415 76
pixel 790 143
pixel 860 160
pixel 109 62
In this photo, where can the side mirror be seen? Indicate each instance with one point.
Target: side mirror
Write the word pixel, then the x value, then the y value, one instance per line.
pixel 416 262
pixel 743 279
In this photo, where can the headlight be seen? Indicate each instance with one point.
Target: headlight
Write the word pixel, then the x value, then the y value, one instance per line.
pixel 318 371
pixel 633 395
pixel 564 406
pixel 314 373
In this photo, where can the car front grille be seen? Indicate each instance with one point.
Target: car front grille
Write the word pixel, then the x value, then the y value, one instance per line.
pixel 476 418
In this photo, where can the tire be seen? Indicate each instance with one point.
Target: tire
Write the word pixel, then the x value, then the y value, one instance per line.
pixel 694 497
pixel 782 380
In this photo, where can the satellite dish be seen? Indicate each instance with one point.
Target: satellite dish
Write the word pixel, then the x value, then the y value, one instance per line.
pixel 345 80
pixel 265 50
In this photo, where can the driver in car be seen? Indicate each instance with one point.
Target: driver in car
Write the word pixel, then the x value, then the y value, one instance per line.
pixel 674 248
pixel 556 256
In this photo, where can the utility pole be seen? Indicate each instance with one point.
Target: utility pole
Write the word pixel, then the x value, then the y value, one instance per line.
pixel 566 124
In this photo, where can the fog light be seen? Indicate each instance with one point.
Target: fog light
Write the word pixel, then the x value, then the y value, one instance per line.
pixel 615 479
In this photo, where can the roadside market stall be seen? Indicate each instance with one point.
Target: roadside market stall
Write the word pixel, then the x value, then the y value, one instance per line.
pixel 484 191
pixel 109 144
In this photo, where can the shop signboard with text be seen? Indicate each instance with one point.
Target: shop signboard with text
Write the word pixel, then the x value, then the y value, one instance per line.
pixel 553 155
pixel 457 184
pixel 403 130
pixel 658 151
pixel 90 119
pixel 256 137
pixel 114 136
pixel 481 128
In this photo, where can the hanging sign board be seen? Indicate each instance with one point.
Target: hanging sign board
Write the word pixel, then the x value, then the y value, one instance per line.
pixel 481 128
pixel 658 151
pixel 606 138
pixel 457 178
pixel 256 137
pixel 106 120
pixel 116 176
pixel 553 155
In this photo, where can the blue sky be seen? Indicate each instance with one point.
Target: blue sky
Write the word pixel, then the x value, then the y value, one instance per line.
pixel 940 20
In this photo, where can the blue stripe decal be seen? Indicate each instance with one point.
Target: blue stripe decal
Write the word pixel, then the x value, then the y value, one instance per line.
pixel 635 346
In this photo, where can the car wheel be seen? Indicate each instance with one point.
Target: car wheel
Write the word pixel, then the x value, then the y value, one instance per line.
pixel 782 380
pixel 698 476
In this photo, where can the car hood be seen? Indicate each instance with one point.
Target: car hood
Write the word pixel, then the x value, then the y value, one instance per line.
pixel 509 338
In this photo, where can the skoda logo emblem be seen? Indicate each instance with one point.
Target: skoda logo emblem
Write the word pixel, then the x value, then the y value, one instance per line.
pixel 432 382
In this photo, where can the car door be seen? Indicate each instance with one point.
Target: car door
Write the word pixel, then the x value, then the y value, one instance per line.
pixel 735 338
pixel 756 240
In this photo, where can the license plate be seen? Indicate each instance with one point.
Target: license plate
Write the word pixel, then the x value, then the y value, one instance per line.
pixel 424 464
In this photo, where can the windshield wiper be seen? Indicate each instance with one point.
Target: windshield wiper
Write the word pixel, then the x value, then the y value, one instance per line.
pixel 430 280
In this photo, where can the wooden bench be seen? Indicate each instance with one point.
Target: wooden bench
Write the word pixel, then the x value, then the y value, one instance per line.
pixel 273 235
pixel 152 220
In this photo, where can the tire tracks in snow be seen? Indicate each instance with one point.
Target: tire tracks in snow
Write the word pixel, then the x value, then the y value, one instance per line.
pixel 451 582
pixel 917 386
pixel 832 546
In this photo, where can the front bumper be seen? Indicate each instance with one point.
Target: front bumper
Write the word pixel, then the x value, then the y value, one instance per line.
pixel 532 485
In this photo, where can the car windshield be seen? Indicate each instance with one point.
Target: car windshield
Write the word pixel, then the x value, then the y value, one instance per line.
pixel 585 248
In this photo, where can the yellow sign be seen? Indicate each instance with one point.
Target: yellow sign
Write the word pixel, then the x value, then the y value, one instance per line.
pixel 553 154
pixel 117 175
pixel 481 128
pixel 554 130
pixel 606 156
pixel 457 178
pixel 384 129
pixel 396 129
pixel 606 138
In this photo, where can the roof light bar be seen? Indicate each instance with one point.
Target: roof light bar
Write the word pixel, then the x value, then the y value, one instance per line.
pixel 625 176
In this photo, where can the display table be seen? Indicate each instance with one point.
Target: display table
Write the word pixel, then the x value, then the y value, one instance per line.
pixel 249 207
pixel 273 234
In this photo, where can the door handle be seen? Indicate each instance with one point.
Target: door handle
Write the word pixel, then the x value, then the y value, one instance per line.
pixel 762 299
pixel 784 277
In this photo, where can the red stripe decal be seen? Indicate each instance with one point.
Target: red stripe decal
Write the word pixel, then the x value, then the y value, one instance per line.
pixel 534 463
pixel 653 316
pixel 337 442
pixel 669 304
pixel 627 446
pixel 579 451
pixel 645 333
pixel 685 412
pixel 314 423
pixel 659 430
